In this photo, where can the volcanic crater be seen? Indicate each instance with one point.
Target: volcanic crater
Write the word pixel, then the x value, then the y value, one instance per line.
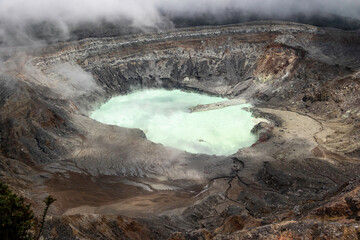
pixel 300 179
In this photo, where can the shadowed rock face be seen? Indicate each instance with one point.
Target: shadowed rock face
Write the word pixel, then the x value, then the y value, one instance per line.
pixel 304 80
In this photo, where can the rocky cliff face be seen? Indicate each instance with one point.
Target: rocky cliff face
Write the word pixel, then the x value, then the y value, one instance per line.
pixel 300 180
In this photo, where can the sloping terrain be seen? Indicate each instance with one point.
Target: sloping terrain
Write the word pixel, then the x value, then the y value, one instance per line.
pixel 299 180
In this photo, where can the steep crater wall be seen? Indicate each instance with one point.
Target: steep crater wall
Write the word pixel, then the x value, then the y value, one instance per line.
pixel 255 61
pixel 269 63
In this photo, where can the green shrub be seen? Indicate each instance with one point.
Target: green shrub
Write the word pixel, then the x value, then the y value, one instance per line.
pixel 16 217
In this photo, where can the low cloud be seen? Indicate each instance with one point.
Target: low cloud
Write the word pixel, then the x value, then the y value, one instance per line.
pixel 55 19
pixel 348 8
pixel 147 12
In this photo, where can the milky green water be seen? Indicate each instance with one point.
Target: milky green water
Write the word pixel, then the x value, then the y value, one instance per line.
pixel 165 118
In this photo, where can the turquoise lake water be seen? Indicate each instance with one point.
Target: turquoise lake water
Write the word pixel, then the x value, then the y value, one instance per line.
pixel 165 118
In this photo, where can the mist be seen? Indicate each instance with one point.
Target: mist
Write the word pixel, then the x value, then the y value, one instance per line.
pixel 68 80
pixel 147 12
pixel 28 21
